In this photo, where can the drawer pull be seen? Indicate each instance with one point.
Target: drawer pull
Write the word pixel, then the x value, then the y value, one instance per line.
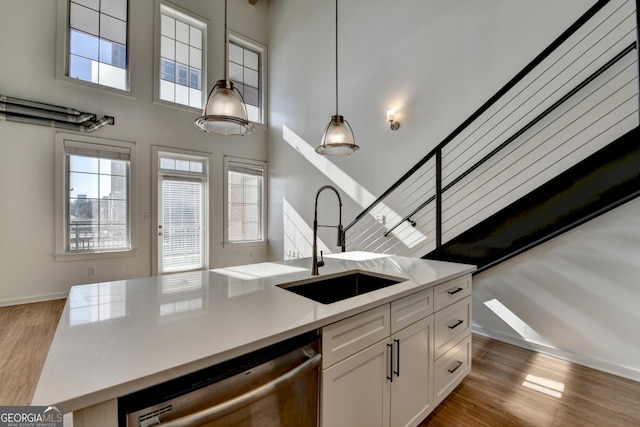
pixel 390 348
pixel 455 292
pixel 459 363
pixel 458 323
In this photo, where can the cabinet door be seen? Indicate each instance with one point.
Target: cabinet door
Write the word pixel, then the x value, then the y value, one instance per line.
pixel 355 391
pixel 411 390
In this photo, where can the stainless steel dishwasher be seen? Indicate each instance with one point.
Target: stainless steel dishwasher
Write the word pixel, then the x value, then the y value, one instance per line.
pixel 274 386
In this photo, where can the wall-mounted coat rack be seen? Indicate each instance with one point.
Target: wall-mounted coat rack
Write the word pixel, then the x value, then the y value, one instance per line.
pixel 38 113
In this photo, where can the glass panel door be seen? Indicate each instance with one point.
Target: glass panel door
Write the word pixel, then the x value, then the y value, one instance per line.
pixel 180 225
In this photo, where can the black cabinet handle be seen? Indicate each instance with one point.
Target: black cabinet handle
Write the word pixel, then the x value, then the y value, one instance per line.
pixel 397 371
pixel 459 363
pixel 458 323
pixel 390 348
pixel 455 292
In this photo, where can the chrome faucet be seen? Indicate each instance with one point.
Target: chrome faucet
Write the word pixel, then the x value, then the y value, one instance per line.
pixel 314 262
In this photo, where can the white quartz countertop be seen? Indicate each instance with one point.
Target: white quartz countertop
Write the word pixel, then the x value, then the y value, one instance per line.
pixel 118 337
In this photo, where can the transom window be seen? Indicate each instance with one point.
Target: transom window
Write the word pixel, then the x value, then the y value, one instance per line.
pixel 245 70
pixel 182 50
pixel 245 194
pixel 97 42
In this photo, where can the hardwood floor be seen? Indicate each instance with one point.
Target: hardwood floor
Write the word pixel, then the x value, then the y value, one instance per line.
pixel 511 386
pixel 26 332
pixel 508 386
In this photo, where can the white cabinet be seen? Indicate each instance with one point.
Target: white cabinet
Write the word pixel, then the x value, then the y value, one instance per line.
pixel 452 326
pixel 355 391
pixel 411 389
pixel 347 337
pixel 451 368
pixel 391 365
pixel 384 384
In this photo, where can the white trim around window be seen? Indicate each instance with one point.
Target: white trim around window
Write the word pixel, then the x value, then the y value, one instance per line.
pixel 245 168
pixel 67 145
pixel 63 52
pixel 186 53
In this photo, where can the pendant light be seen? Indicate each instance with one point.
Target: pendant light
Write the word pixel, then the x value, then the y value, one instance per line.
pixel 338 139
pixel 225 112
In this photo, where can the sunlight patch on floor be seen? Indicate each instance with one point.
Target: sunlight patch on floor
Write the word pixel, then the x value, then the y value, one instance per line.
pixel 544 385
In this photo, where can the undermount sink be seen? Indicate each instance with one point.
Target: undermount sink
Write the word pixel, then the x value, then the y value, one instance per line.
pixel 337 288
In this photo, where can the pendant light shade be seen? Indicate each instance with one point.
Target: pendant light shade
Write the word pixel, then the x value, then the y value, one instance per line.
pixel 338 139
pixel 225 112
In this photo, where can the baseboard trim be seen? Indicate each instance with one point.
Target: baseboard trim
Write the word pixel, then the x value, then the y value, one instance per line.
pixel 28 300
pixel 599 365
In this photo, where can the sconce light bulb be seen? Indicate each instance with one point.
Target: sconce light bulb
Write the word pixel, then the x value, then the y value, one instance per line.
pixel 391 115
pixel 391 118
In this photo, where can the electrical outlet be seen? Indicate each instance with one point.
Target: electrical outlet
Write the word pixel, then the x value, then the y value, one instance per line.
pixel 381 219
pixel 92 271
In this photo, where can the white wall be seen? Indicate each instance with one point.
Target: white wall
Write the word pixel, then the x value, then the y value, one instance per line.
pixel 28 57
pixel 434 61
pixel 575 296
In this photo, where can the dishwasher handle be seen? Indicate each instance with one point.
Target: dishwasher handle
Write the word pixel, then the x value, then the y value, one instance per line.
pixel 216 411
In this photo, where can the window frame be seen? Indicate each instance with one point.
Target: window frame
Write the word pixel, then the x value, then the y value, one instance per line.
pixel 61 198
pixel 62 53
pixel 263 211
pixel 250 44
pixel 157 34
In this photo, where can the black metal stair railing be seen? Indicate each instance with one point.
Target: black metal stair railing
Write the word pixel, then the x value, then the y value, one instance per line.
pixel 437 153
pixel 509 140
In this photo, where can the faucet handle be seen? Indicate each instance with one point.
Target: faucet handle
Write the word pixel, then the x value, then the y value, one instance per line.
pixel 321 262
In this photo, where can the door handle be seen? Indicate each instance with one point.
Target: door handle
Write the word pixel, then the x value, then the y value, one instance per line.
pixel 390 348
pixel 233 404
pixel 397 371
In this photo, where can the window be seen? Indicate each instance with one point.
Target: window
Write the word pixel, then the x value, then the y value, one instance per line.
pixel 246 61
pixel 95 187
pixel 182 212
pixel 182 57
pixel 97 42
pixel 245 204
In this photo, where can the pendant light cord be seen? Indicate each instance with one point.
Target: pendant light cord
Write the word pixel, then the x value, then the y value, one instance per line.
pixel 336 57
pixel 226 43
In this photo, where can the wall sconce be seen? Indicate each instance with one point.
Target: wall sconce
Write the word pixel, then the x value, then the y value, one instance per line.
pixel 391 118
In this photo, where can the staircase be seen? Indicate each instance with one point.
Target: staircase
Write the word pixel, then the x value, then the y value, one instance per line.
pixel 555 147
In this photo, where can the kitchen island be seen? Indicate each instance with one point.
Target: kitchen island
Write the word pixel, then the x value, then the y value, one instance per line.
pixel 115 338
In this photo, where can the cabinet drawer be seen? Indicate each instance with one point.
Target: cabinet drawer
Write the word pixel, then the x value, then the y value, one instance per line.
pixel 349 336
pixel 449 292
pixel 451 369
pixel 410 309
pixel 451 324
